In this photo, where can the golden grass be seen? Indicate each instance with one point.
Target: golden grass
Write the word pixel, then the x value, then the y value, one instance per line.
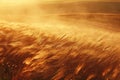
pixel 41 56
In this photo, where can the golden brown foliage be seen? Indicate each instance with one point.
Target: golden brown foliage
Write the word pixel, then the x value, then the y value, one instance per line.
pixel 47 57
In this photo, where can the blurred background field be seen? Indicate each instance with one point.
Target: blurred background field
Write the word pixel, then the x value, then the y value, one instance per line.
pixel 104 14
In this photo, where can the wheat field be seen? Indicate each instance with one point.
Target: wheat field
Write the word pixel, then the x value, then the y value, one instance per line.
pixel 35 45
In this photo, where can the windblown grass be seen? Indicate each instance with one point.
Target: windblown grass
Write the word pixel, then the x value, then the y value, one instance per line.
pixel 47 57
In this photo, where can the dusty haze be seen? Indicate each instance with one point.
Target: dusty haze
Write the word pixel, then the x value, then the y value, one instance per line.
pixel 59 40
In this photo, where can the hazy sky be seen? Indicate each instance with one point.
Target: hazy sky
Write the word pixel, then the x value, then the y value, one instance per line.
pixel 19 2
pixel 84 0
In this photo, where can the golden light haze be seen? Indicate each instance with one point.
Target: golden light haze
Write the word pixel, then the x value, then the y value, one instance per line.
pixel 29 1
pixel 25 2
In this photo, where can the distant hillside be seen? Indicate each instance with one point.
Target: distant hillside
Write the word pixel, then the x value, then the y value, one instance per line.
pixel 81 7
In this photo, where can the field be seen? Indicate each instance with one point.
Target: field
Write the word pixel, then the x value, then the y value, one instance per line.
pixel 52 41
